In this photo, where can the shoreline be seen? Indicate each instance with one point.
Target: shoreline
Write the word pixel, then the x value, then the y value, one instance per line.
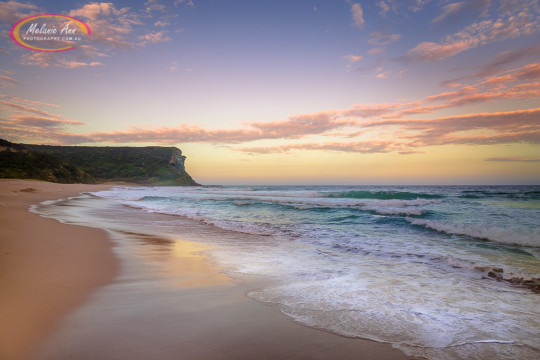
pixel 47 269
pixel 168 299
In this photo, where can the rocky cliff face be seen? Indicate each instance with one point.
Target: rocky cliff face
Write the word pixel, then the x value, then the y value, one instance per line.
pixel 177 160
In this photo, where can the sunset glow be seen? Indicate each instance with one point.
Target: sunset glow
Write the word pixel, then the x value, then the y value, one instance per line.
pixel 291 92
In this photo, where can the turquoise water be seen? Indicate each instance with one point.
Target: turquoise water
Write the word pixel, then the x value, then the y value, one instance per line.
pixel 437 271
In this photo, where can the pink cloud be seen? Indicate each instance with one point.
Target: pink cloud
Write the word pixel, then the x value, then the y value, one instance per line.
pixel 12 105
pixel 110 26
pixel 369 111
pixel 12 11
pixel 352 58
pixel 27 102
pixel 358 15
pixel 153 37
pixel 503 127
pixel 47 60
pixel 302 125
pixel 383 127
pixel 376 146
pixel 512 23
pixel 382 38
pixel 430 51
pixel 454 10
pixel 37 121
pixel 6 81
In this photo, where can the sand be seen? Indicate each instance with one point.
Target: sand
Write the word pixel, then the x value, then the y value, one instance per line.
pixel 65 295
pixel 46 268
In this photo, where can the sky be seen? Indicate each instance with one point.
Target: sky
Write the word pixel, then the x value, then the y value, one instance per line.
pixel 289 92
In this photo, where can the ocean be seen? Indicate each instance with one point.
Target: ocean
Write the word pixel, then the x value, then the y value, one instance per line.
pixel 442 272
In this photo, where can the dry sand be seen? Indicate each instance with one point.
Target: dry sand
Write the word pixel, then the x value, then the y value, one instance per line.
pixel 165 302
pixel 46 268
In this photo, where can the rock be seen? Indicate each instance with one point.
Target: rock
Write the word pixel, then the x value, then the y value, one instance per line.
pixel 177 160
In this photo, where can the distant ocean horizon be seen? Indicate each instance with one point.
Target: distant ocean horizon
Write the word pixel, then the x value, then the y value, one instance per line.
pixel 444 272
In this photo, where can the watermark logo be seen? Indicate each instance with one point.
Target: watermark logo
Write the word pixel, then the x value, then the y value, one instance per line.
pixel 49 32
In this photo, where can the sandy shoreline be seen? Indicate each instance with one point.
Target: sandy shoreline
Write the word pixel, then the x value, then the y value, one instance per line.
pixel 165 302
pixel 46 268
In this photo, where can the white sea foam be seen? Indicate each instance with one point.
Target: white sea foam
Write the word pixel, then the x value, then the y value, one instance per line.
pixel 510 235
pixel 358 268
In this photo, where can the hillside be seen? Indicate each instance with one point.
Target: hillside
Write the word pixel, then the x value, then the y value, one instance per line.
pixel 17 161
pixel 153 165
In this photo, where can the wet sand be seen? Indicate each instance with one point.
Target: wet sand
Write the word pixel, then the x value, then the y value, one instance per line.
pixel 168 300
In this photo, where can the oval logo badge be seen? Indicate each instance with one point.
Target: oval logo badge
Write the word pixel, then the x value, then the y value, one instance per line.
pixel 49 32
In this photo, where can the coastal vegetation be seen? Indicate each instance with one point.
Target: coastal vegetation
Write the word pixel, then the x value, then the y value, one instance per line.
pixel 152 165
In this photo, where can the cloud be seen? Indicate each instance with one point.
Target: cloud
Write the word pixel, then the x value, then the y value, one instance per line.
pixel 161 23
pixel 454 11
pixel 385 8
pixel 155 5
pixel 400 7
pixel 37 121
pixel 382 38
pixel 526 73
pixel 153 37
pixel 358 15
pixel 431 51
pixel 294 128
pixel 165 7
pixel 518 21
pixel 23 108
pixel 499 61
pixel 352 58
pixel 450 10
pixel 110 26
pixel 13 11
pixel 520 83
pixel 498 128
pixel 362 128
pixel 174 66
pixel 370 111
pixel 375 51
pixel 26 120
pixel 366 147
pixel 6 81
pixel 76 64
pixel 26 101
pixel 302 125
pixel 45 60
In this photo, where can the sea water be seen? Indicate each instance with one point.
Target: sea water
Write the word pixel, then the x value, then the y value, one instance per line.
pixel 442 272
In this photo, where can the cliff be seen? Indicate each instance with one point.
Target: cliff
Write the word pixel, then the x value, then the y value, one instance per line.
pixel 19 162
pixel 152 165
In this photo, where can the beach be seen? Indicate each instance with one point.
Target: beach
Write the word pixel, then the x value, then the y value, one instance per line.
pixel 46 268
pixel 81 292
